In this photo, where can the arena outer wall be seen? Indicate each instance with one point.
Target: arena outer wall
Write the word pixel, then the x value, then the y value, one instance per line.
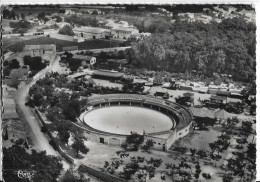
pixel 181 118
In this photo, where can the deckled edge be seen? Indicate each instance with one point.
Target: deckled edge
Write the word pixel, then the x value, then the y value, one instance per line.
pixel 1 94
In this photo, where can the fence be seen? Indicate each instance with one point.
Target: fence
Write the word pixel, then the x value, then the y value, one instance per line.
pixel 62 153
pixel 100 175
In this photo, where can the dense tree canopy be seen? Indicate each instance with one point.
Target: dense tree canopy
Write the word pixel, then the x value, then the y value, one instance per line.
pixel 84 21
pixel 226 47
pixel 35 63
pixel 16 158
pixel 66 30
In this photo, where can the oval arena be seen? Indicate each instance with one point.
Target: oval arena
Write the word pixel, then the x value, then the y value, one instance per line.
pixel 108 119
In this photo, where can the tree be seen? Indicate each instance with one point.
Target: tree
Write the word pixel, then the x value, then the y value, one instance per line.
pixel 12 15
pixel 6 14
pixel 251 151
pixel 6 71
pixel 41 16
pixel 36 92
pixel 58 18
pixel 74 176
pixel 63 133
pixel 193 151
pixel 23 16
pixel 14 64
pixel 69 113
pixel 35 63
pixel 95 12
pixel 62 11
pixel 133 142
pixel 47 168
pixel 79 146
pixel 66 30
pixel 148 145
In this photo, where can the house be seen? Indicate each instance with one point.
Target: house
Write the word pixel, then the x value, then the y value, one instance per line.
pixel 123 32
pixel 85 60
pixel 91 32
pixel 40 50
pixel 218 99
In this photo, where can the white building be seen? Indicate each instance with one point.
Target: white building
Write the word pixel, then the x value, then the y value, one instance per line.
pixel 121 30
pixel 91 32
pixel 123 33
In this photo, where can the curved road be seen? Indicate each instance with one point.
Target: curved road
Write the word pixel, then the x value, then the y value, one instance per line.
pixel 40 141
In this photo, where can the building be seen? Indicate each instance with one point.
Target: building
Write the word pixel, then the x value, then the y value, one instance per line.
pixel 180 116
pixel 108 74
pixel 85 60
pixel 218 99
pixel 123 33
pixel 121 30
pixel 46 51
pixel 91 32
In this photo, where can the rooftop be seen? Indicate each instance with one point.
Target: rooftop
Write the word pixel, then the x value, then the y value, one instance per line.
pixel 90 30
pixel 108 73
pixel 202 112
pixel 9 109
pixel 125 29
pixel 216 97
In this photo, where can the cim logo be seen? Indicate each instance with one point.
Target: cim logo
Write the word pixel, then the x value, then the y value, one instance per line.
pixel 26 174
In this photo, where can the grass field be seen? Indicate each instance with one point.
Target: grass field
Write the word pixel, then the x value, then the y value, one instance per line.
pixel 17 46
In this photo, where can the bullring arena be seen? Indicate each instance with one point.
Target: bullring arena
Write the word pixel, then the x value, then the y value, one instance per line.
pixel 108 119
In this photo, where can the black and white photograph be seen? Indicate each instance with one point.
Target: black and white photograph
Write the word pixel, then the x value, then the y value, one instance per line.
pixel 128 92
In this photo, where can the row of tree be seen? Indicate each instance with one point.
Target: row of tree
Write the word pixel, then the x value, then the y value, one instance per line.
pixel 83 21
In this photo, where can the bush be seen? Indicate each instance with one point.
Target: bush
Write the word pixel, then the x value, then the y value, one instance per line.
pixel 66 30
pixel 206 176
pixel 53 144
pixel 43 129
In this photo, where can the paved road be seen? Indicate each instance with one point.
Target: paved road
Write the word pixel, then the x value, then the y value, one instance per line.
pixel 40 141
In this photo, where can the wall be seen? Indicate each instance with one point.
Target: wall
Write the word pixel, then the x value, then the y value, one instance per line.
pixel 62 153
pixel 90 35
pixel 158 142
pixel 171 139
pixel 100 175
pixel 62 37
pixel 108 139
pixel 183 132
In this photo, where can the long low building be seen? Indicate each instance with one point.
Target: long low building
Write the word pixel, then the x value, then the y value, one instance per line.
pixel 180 116
pixel 91 32
pixel 108 74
